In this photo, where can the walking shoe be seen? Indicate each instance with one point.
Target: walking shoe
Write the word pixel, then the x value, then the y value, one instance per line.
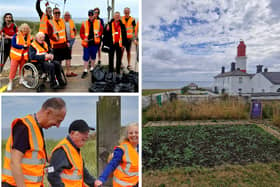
pixel 128 67
pixel 122 66
pixel 10 86
pixel 44 75
pixel 91 69
pixel 72 74
pixel 84 75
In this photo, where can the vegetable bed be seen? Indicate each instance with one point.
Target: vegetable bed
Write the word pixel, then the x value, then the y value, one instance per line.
pixel 208 146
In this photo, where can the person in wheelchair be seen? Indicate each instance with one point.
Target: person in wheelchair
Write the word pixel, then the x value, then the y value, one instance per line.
pixel 39 52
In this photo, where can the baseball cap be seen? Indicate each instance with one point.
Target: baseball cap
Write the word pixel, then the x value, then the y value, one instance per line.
pixel 90 12
pixel 79 125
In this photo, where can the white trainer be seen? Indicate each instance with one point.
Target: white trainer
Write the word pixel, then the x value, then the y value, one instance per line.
pixel 10 86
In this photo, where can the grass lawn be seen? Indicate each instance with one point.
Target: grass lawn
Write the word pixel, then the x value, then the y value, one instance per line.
pixel 251 175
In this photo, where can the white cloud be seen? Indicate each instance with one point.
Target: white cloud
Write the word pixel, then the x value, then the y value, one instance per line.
pixel 224 22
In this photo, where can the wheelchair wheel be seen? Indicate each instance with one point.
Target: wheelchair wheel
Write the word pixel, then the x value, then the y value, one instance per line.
pixel 30 75
pixel 63 76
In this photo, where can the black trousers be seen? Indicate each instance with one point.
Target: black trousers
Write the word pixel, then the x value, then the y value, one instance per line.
pixel 7 49
pixel 54 69
pixel 4 184
pixel 115 48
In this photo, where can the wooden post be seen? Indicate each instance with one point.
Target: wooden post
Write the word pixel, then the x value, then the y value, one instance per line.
pixel 108 129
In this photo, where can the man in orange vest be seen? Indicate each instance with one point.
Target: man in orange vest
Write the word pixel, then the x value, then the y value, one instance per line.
pixel 116 39
pixel 90 33
pixel 45 26
pixel 71 33
pixel 67 167
pixel 129 23
pixel 39 52
pixel 59 41
pixel 25 157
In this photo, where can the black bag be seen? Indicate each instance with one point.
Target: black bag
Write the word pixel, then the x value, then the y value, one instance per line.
pixel 98 74
pixel 105 48
pixel 102 86
pixel 124 87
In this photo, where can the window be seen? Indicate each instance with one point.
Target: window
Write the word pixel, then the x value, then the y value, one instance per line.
pixel 278 90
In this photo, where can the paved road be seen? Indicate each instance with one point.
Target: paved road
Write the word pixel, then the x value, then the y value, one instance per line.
pixel 75 84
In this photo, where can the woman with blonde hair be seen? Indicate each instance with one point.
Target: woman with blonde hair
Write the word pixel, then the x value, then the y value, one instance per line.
pixel 19 52
pixel 124 163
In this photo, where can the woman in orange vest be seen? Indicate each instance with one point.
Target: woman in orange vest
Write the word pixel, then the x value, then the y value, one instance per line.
pixel 124 163
pixel 19 52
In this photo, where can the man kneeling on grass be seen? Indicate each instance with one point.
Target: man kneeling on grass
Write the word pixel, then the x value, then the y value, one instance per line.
pixel 67 167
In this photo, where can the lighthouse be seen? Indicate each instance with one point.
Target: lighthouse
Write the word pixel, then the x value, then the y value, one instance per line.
pixel 241 58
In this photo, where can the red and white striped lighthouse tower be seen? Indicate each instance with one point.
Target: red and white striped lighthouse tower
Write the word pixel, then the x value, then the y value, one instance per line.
pixel 241 58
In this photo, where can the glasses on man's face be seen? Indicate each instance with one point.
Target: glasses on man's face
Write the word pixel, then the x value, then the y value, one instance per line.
pixel 96 12
pixel 56 12
pixel 90 14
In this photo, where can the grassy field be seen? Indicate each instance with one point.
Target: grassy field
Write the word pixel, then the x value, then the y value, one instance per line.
pixel 88 153
pixel 146 92
pixel 180 110
pixel 251 175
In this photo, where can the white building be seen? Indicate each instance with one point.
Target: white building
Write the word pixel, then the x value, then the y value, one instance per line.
pixel 238 82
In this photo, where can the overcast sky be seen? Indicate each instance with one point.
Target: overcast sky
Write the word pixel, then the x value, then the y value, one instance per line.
pixel 191 39
pixel 78 107
pixel 78 8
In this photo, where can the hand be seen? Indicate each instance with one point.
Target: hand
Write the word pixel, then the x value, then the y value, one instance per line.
pixel 68 44
pixel 108 28
pixel 136 42
pixel 86 40
pixel 98 183
pixel 49 57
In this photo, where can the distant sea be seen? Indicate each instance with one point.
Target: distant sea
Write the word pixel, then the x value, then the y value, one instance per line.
pixel 52 133
pixel 174 84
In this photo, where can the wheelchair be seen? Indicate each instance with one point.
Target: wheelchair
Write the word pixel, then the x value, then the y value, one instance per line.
pixel 32 76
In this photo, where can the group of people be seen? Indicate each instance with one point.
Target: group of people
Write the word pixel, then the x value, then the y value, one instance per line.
pixel 26 157
pixel 54 41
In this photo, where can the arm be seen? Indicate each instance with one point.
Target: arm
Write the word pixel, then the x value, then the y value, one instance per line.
pixel 59 162
pixel 113 164
pixel 89 179
pixel 82 32
pixel 19 147
pixel 14 43
pixel 38 8
pixel 16 157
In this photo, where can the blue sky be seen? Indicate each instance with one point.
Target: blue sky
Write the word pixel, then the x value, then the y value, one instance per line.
pixel 78 107
pixel 78 9
pixel 187 40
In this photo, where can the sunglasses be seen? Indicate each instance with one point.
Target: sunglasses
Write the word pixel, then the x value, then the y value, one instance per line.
pixel 56 12
pixel 90 14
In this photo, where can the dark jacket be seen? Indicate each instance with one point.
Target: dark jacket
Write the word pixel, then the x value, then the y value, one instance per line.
pixel 33 56
pixel 108 38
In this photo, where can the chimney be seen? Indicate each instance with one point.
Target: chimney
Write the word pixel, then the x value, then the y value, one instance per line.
pixel 232 67
pixel 223 70
pixel 241 49
pixel 259 68
pixel 265 70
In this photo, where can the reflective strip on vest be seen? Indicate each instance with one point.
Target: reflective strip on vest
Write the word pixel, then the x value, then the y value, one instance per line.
pixel 128 165
pixel 16 53
pixel 30 161
pixel 122 182
pixel 35 179
pixel 75 175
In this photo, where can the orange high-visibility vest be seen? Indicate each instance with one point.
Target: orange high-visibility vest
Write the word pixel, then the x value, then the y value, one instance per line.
pixel 73 176
pixel 114 33
pixel 136 29
pixel 128 26
pixel 126 174
pixel 43 24
pixel 59 29
pixel 96 31
pixel 39 49
pixel 34 159
pixel 72 28
pixel 17 54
